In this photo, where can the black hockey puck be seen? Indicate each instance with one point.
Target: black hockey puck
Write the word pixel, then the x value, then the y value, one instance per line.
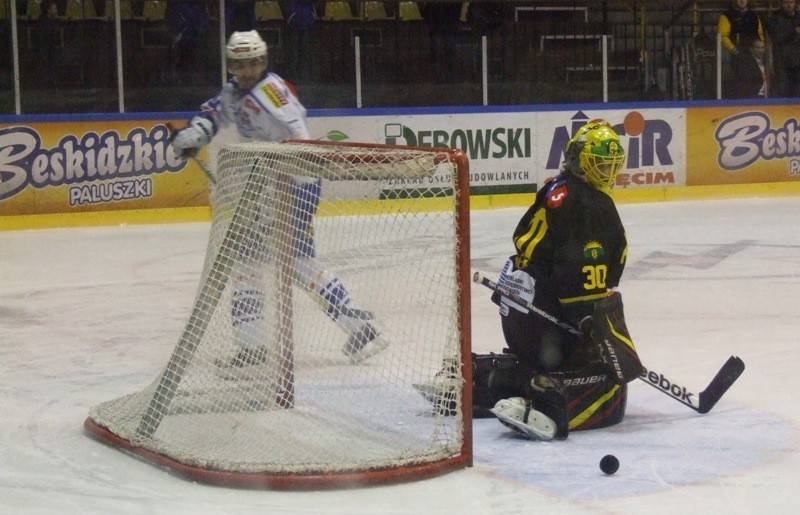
pixel 609 464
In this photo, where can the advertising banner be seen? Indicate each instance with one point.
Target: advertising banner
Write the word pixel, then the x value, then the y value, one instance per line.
pixel 514 152
pixel 78 166
pixel 742 145
pixel 500 146
pixel 84 166
pixel 653 139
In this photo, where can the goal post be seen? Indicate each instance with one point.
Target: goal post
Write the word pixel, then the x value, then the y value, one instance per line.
pixel 324 298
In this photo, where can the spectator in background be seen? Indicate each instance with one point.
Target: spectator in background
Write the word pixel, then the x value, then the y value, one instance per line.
pixel 654 93
pixel 750 70
pixel 100 7
pixel 736 22
pixel 188 22
pixel 299 22
pixel 47 37
pixel 137 7
pixel 240 16
pixel 443 20
pixel 485 18
pixel 783 28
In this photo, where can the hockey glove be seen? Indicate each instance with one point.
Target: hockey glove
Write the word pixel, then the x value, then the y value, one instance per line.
pixel 518 282
pixel 190 139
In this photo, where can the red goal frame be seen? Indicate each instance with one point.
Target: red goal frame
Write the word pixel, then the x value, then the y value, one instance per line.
pixel 357 478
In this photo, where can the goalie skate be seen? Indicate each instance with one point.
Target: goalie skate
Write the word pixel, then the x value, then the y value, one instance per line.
pixel 364 344
pixel 516 414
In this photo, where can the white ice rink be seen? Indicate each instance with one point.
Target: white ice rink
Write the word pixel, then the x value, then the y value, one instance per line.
pixel 87 315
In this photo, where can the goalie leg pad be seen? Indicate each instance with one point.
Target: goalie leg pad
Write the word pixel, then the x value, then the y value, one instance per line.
pixel 614 341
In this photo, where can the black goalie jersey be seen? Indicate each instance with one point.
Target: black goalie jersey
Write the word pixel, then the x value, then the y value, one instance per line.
pixel 571 240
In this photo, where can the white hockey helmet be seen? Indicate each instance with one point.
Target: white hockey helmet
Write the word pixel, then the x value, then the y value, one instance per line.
pixel 246 45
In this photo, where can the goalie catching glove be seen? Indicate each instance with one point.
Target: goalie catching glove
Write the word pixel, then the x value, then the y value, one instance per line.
pixel 189 140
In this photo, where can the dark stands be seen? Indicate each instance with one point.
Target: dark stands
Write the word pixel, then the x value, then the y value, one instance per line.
pixel 542 51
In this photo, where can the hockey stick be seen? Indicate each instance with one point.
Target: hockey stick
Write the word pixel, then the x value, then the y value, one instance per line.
pixel 199 162
pixel 706 399
pixel 336 310
pixel 360 314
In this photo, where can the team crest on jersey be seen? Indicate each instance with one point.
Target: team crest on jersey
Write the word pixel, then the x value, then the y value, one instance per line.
pixel 593 250
pixel 274 94
pixel 556 196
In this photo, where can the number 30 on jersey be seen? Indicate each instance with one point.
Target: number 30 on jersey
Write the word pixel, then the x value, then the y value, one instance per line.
pixel 595 276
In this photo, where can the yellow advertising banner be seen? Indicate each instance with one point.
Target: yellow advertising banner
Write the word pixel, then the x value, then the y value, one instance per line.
pixel 66 167
pixel 742 145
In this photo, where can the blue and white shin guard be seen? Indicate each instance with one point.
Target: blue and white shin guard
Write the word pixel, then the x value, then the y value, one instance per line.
pixel 333 296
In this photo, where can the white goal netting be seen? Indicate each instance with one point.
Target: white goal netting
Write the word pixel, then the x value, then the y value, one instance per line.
pixel 321 304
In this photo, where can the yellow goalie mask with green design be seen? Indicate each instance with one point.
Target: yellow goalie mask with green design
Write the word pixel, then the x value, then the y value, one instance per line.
pixel 596 154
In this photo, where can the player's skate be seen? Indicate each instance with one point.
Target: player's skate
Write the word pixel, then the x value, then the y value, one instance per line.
pixel 247 364
pixel 364 343
pixel 442 389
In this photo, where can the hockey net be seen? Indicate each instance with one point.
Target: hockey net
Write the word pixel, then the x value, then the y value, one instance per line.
pixel 265 388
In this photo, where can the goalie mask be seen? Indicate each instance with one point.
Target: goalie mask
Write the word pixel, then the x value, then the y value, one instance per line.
pixel 595 154
pixel 246 55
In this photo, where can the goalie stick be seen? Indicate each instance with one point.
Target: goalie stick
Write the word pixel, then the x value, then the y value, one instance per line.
pixel 706 399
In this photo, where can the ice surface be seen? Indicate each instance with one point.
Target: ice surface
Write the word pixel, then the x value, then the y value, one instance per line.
pixel 87 315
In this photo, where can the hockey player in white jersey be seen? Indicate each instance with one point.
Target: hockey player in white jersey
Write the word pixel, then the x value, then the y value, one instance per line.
pixel 265 107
